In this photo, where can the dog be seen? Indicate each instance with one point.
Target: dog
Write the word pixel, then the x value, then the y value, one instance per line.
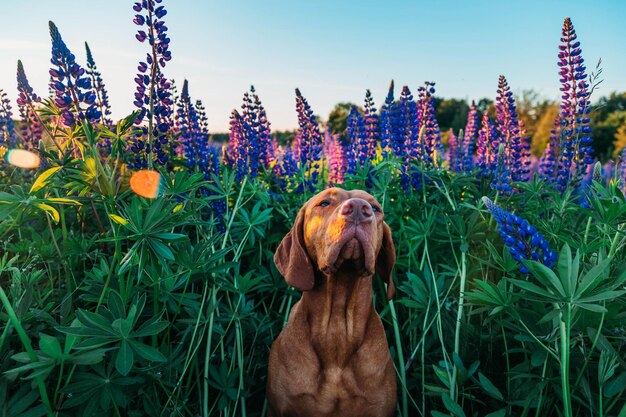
pixel 332 357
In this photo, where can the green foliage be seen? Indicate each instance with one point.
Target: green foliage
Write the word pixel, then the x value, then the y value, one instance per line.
pixel 117 305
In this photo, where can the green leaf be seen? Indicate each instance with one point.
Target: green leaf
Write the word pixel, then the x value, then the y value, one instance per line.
pixel 42 180
pixel 565 268
pixel 123 326
pixel 500 413
pixel 593 277
pixel 49 210
pixel 147 352
pixel 615 385
pixel 452 407
pixel 547 277
pixel 125 359
pixel 162 250
pixel 50 346
pixel 488 386
pixel 529 286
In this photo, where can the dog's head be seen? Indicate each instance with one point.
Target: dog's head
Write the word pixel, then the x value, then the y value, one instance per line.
pixel 337 230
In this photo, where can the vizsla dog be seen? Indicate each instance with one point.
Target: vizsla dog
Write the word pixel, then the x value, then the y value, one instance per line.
pixel 332 357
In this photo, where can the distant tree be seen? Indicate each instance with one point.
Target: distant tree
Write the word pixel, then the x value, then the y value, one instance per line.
pixel 607 116
pixel 531 108
pixel 542 129
pixel 620 140
pixel 338 117
pixel 451 113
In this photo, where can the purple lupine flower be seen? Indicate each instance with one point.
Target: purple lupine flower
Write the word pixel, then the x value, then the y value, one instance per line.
pixel 72 87
pixel 153 94
pixel 99 89
pixel 7 129
pixel 388 122
pixel 510 132
pixel 455 152
pixel 250 124
pixel 369 141
pixel 237 147
pixel 575 107
pixel 336 158
pixel 469 138
pixel 548 164
pixel 356 134
pixel 431 138
pixel 622 170
pixel 310 141
pixel 522 239
pixel 502 176
pixel 30 129
pixel 487 146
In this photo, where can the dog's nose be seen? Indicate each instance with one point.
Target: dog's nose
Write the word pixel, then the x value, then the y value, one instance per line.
pixel 357 210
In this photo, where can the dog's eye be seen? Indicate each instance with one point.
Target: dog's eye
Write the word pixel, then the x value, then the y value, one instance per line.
pixel 376 209
pixel 324 204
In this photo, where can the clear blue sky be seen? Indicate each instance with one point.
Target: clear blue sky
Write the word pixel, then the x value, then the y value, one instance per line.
pixel 332 50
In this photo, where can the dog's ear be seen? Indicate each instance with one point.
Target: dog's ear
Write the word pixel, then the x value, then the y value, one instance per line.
pixel 386 260
pixel 292 260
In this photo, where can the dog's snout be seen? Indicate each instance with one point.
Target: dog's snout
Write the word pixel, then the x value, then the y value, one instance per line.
pixel 357 210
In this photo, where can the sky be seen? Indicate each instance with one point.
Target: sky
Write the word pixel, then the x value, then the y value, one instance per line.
pixel 332 50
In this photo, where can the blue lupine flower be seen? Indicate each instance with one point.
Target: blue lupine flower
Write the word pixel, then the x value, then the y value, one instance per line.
pixel 102 97
pixel 310 146
pixel 622 170
pixel 548 163
pixel 356 135
pixel 153 95
pixel 30 129
pixel 72 87
pixel 266 151
pixel 388 122
pixel 7 129
pixel 575 107
pixel 194 137
pixel 469 138
pixel 502 174
pixel 509 128
pixel 523 240
pixel 237 155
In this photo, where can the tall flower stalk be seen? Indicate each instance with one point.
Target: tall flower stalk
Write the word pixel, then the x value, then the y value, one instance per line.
pixel 469 138
pixel 7 129
pixel 153 95
pixel 31 128
pixel 72 87
pixel 574 115
pixel 99 89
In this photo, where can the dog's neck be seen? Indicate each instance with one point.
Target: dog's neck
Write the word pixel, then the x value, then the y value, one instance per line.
pixel 339 310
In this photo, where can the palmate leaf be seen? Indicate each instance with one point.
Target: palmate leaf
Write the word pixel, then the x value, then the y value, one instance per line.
pixel 43 179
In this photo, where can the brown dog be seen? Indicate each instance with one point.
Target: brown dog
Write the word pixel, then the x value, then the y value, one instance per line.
pixel 332 357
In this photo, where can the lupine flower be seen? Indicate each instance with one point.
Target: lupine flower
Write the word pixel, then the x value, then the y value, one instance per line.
pixel 266 151
pixel 336 158
pixel 548 164
pixel 407 134
pixel 502 174
pixel 487 146
pixel 30 129
pixel 309 141
pixel 193 137
pixel 455 152
pixel 469 138
pixel 622 170
pixel 510 132
pixel 286 166
pixel 237 155
pixel 523 240
pixel 356 135
pixel 72 87
pixel 153 95
pixel 369 141
pixel 431 138
pixel 7 130
pixel 388 122
pixel 575 107
pixel 102 97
